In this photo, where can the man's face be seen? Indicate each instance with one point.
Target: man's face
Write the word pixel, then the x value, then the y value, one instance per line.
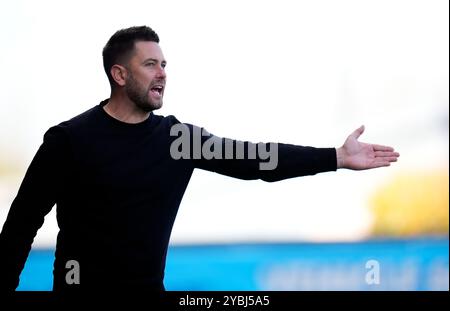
pixel 146 78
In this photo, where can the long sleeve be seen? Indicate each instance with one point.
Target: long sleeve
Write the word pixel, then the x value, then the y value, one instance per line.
pixel 266 161
pixel 35 198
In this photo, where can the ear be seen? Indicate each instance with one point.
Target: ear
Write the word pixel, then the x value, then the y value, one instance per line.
pixel 119 74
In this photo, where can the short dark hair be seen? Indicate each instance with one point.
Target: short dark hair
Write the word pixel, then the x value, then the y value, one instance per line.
pixel 120 46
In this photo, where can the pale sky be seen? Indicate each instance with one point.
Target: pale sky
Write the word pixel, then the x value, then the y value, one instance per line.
pixel 301 72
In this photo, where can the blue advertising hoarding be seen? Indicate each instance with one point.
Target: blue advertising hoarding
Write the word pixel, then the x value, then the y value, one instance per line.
pixel 407 264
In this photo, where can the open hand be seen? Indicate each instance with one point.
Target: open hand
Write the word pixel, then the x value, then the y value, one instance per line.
pixel 356 155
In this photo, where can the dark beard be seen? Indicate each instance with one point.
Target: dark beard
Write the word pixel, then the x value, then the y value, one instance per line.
pixel 138 96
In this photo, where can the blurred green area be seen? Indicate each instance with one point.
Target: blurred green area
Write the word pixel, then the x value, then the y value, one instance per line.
pixel 411 204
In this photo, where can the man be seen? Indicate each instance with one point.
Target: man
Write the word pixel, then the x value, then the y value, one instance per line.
pixel 118 172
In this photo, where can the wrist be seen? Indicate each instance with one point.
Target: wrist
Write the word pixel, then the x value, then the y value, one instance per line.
pixel 340 158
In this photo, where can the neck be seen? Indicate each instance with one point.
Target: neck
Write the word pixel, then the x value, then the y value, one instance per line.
pixel 120 107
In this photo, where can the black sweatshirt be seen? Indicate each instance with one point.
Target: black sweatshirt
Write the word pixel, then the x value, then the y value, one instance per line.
pixel 117 190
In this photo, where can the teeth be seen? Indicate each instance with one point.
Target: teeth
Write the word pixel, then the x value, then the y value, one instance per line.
pixel 158 89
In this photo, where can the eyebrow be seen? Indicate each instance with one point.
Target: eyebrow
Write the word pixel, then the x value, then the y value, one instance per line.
pixel 154 60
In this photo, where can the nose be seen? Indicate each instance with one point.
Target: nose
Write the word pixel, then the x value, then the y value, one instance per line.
pixel 161 73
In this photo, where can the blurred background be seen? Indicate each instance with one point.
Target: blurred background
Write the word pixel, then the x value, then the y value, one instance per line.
pixel 301 72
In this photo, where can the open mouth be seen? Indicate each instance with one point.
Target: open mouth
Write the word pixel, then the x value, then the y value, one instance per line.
pixel 157 90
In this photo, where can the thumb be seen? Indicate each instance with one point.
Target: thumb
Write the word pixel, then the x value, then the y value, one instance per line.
pixel 358 132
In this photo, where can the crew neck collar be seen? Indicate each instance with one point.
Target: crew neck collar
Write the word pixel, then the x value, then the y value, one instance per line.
pixel 117 122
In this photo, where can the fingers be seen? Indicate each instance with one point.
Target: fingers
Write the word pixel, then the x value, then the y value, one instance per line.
pixel 390 159
pixel 356 133
pixel 384 158
pixel 382 148
pixel 386 154
pixel 381 162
